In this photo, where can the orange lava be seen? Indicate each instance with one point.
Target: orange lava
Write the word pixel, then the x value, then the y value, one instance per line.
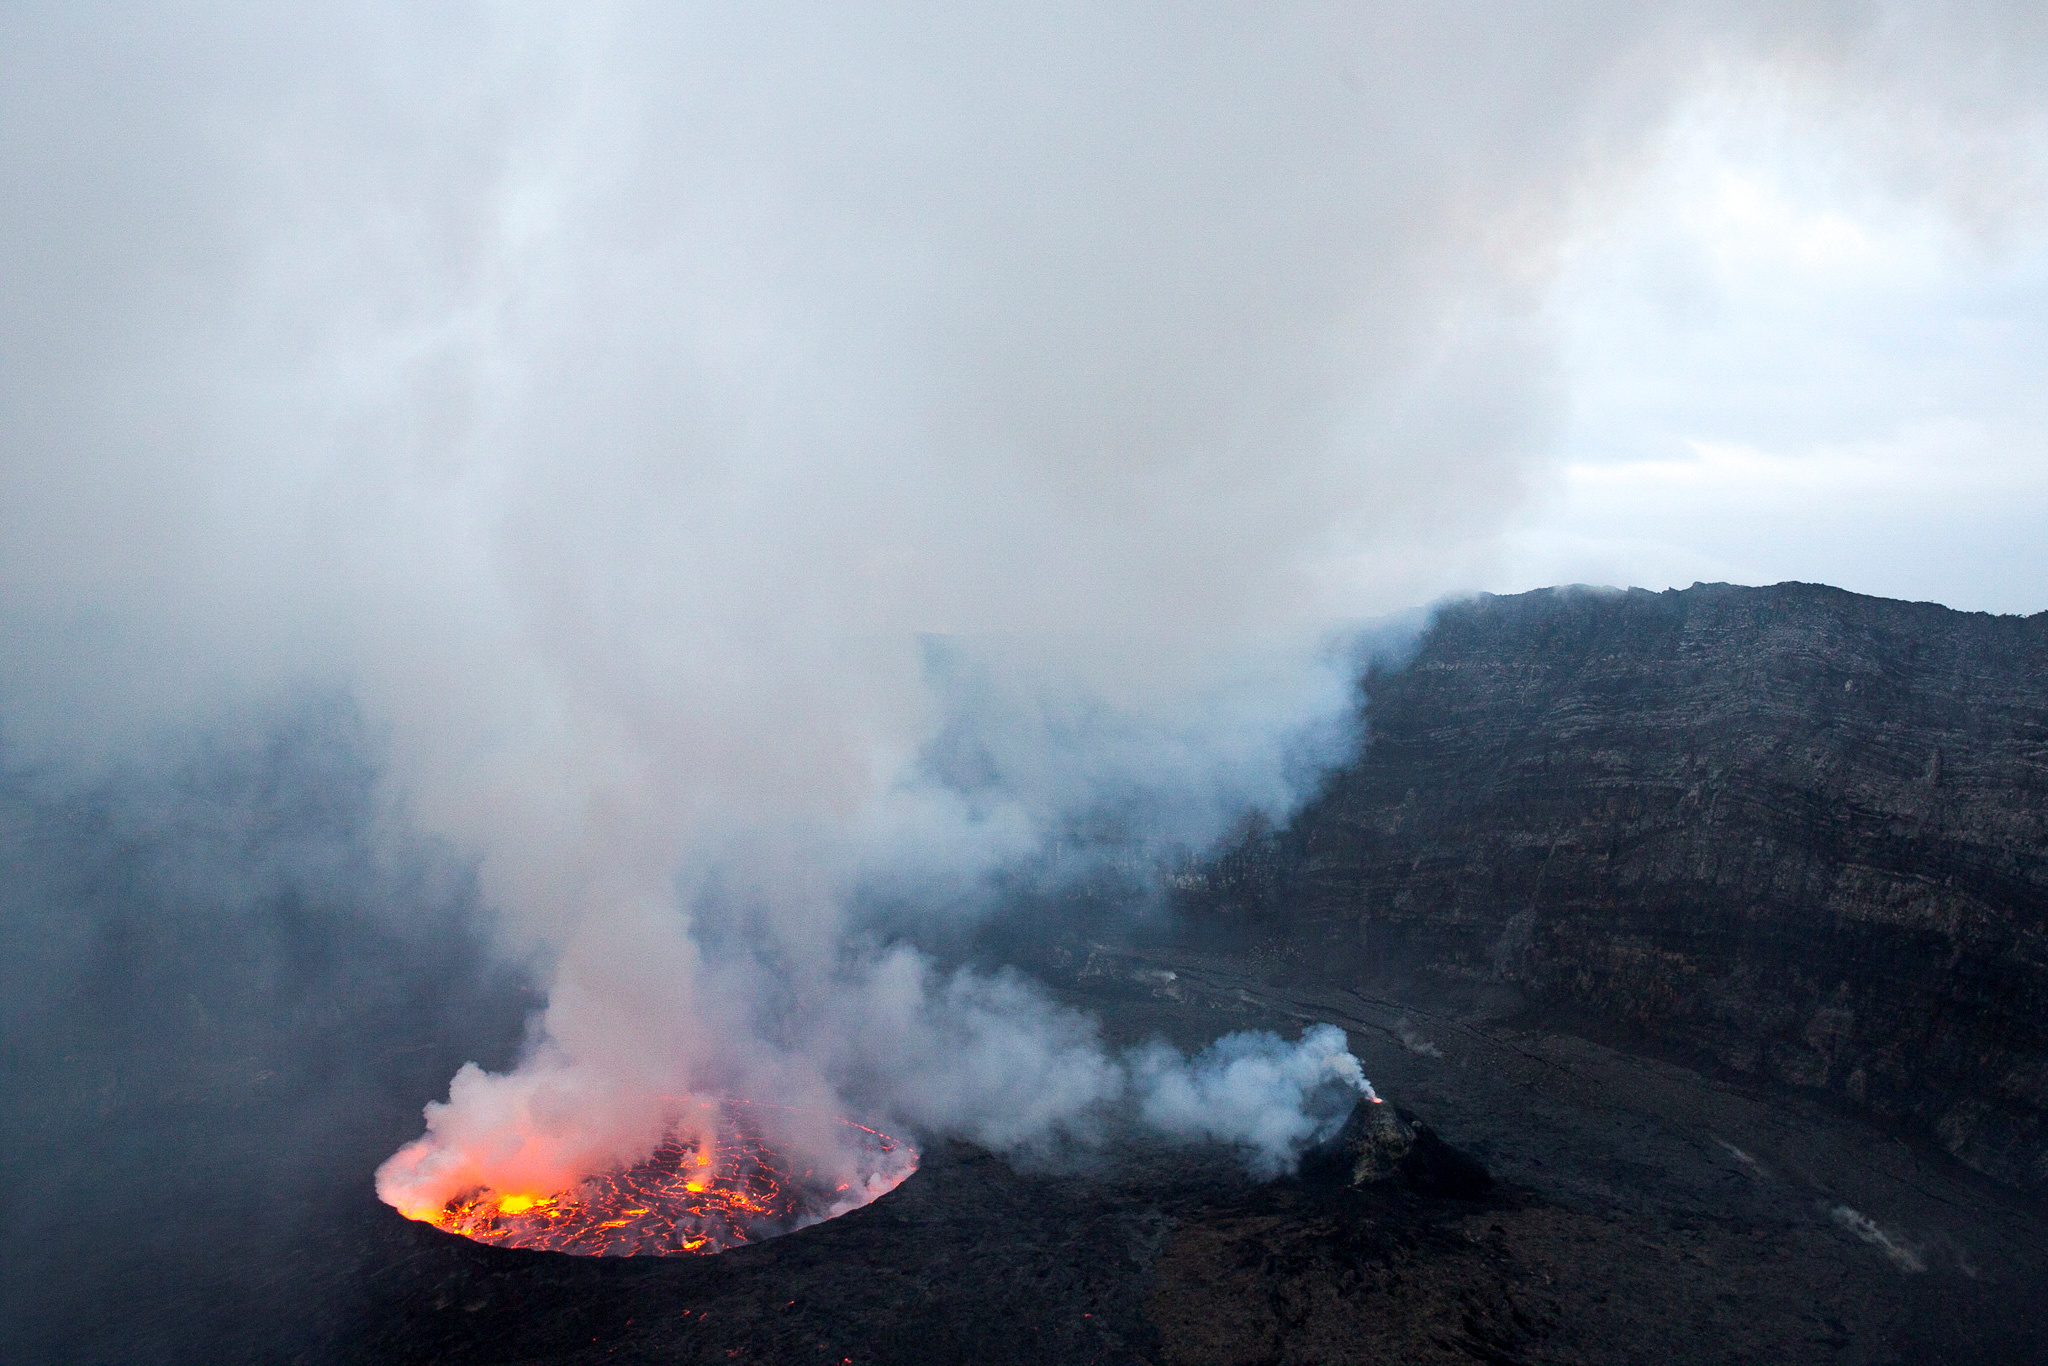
pixel 683 1198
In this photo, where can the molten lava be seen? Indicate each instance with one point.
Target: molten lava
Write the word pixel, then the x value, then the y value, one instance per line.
pixel 690 1195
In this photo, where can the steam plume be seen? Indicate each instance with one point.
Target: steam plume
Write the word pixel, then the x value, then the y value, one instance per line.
pixel 652 416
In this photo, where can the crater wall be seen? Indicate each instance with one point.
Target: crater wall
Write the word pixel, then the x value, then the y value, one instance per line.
pixel 1798 831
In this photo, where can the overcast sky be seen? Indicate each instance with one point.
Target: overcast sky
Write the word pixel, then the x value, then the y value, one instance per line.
pixel 1794 352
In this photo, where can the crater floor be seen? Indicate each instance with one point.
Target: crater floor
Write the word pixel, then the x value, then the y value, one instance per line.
pixel 1642 1212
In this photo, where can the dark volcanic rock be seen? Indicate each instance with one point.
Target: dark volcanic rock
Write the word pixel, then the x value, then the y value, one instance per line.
pixel 1379 1144
pixel 1661 819
pixel 1374 1145
pixel 1794 831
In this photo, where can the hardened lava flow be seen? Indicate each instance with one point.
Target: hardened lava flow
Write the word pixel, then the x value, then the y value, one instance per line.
pixel 692 1194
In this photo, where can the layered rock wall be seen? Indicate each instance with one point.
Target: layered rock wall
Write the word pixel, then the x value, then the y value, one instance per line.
pixel 1798 831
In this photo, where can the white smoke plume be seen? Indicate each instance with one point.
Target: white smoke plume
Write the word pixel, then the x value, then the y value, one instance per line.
pixel 1253 1091
pixel 657 417
pixel 985 1057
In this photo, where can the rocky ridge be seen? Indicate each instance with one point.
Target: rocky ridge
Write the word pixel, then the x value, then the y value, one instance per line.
pixel 1790 832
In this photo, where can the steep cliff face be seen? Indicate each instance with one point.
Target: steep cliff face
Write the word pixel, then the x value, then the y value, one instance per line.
pixel 1799 831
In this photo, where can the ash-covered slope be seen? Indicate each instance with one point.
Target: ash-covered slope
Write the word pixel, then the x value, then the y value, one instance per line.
pixel 1798 831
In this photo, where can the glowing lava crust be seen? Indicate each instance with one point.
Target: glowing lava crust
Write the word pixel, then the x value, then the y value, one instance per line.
pixel 686 1197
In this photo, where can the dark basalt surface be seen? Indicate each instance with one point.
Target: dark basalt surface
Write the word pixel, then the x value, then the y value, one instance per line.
pixel 1641 1212
pixel 1788 832
pixel 1709 923
pixel 1382 1144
